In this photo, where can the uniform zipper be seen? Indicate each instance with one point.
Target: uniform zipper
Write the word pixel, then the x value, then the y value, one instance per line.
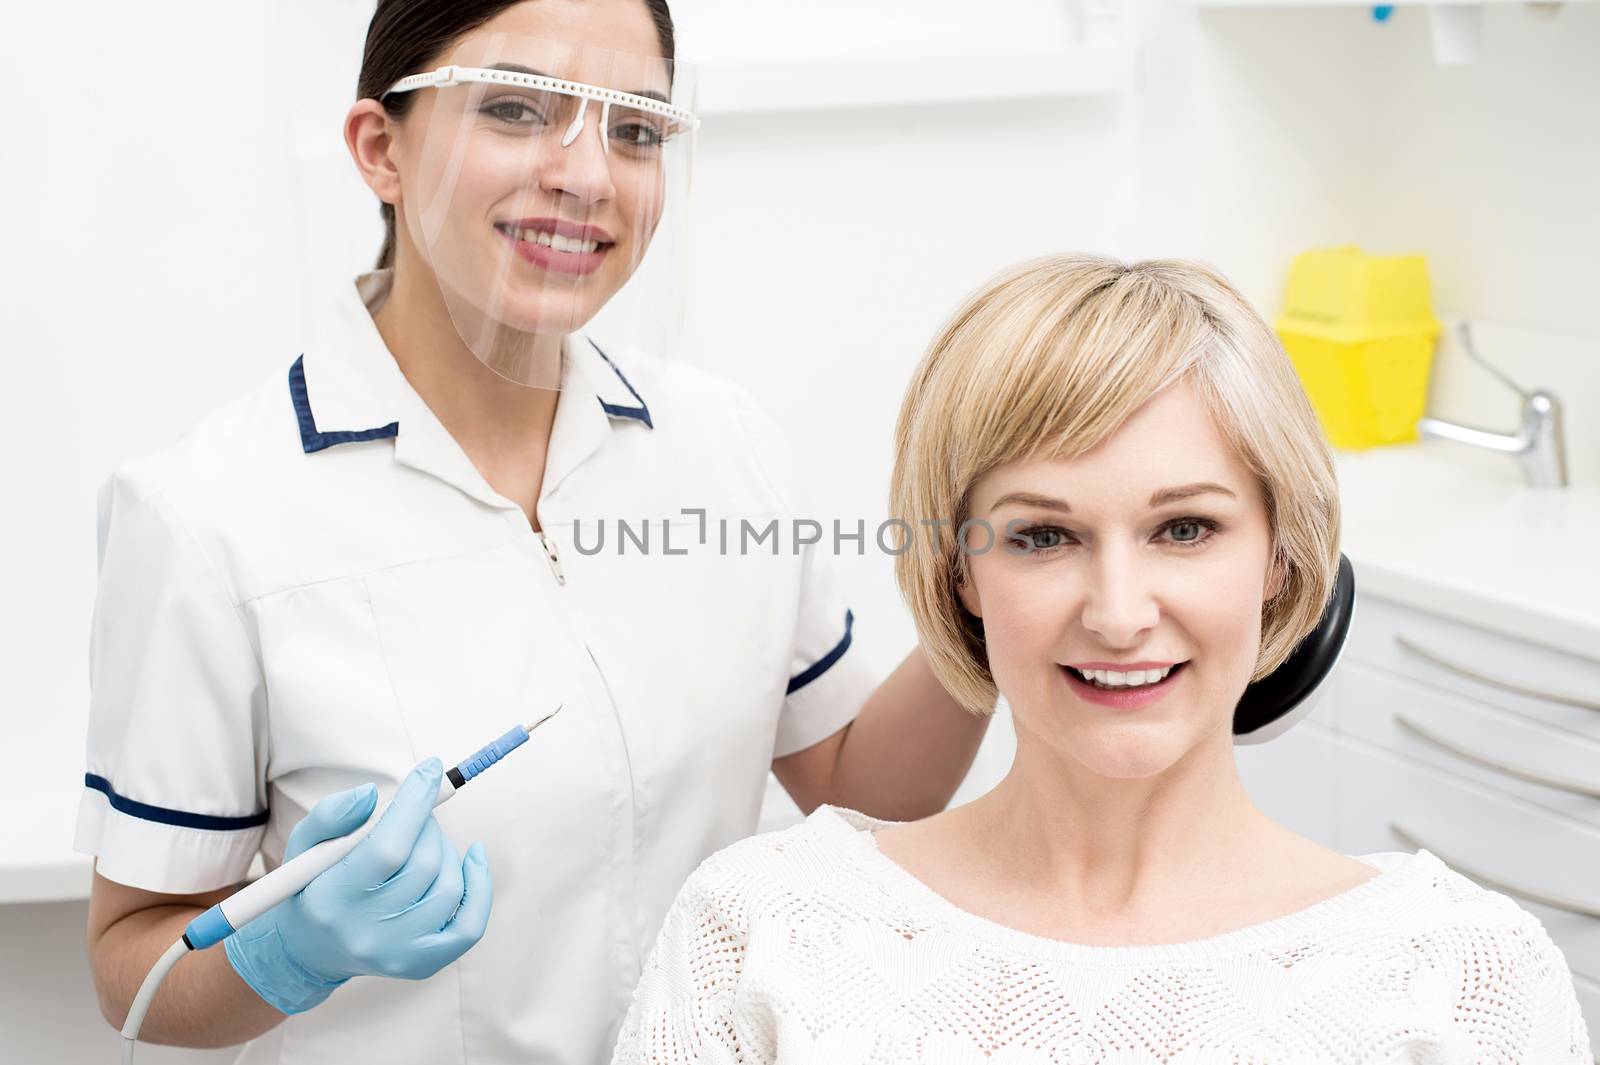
pixel 554 557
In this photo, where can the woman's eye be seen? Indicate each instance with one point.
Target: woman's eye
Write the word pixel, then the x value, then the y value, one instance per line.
pixel 1040 539
pixel 637 135
pixel 1191 532
pixel 516 112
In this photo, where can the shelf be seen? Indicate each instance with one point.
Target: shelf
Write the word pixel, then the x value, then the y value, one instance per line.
pixel 1367 3
pixel 831 84
pixel 1455 26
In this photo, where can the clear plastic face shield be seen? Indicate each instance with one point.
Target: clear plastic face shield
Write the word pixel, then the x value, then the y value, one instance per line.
pixel 551 198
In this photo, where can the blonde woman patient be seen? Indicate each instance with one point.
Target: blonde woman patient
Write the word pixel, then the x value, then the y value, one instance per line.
pixel 1161 501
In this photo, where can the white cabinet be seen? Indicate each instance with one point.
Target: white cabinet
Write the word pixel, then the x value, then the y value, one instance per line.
pixel 1494 748
pixel 1548 864
pixel 1557 687
pixel 1479 747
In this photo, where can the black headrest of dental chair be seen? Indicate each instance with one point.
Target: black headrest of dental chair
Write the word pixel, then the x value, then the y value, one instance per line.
pixel 1275 702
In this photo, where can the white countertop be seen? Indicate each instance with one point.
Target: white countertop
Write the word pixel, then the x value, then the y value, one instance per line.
pixel 1433 525
pixel 37 862
pixel 1455 530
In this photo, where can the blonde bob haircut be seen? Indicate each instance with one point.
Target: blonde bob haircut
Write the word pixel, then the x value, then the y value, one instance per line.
pixel 1048 360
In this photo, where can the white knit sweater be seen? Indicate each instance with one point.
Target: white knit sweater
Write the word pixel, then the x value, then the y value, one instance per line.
pixel 809 945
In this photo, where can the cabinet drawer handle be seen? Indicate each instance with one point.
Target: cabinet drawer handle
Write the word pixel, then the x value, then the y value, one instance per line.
pixel 1423 732
pixel 1568 698
pixel 1582 909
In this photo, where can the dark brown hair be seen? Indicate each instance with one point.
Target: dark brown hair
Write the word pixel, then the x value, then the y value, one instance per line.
pixel 406 37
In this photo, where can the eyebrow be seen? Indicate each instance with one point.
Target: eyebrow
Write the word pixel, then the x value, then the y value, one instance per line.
pixel 1161 498
pixel 514 68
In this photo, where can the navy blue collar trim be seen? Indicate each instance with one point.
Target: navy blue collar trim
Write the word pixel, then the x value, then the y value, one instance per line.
pixel 310 438
pixel 163 816
pixel 641 412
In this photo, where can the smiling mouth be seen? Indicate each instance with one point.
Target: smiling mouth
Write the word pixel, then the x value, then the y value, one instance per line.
pixel 1134 680
pixel 555 241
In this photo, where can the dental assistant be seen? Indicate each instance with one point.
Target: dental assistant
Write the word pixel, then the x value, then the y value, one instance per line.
pixel 375 557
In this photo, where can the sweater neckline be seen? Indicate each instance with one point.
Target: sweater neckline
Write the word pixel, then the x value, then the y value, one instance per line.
pixel 1397 870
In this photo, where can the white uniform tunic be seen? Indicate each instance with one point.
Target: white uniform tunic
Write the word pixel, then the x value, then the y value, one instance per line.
pixel 315 588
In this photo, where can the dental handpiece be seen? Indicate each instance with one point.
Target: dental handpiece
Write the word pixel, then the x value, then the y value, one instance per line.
pixel 255 899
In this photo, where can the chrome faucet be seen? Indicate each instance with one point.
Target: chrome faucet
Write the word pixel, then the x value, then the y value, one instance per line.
pixel 1539 444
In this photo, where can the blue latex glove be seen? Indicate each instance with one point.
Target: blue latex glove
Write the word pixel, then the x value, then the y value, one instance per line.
pixel 401 904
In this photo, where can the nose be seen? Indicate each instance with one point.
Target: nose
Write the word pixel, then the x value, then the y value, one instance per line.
pixel 1118 605
pixel 582 169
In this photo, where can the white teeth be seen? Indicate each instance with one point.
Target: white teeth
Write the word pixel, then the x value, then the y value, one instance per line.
pixel 1131 679
pixel 556 241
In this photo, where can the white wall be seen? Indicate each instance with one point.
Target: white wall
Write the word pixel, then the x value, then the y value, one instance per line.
pixel 170 208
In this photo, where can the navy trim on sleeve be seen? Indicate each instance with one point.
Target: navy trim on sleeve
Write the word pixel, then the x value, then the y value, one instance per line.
pixel 823 664
pixel 641 412
pixel 164 816
pixel 310 438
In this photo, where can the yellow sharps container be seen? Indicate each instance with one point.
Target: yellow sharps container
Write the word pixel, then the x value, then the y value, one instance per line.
pixel 1360 331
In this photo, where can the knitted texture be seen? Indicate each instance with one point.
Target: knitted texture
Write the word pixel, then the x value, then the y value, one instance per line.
pixel 809 945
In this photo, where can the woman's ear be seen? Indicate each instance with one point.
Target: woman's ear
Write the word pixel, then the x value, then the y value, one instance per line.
pixel 369 134
pixel 1277 576
pixel 966 592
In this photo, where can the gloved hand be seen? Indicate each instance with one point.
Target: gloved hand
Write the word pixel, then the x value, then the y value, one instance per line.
pixel 402 903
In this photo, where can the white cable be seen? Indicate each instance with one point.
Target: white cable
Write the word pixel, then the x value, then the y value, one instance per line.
pixel 147 995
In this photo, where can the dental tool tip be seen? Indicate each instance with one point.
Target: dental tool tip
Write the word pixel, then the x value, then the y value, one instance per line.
pixel 542 720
